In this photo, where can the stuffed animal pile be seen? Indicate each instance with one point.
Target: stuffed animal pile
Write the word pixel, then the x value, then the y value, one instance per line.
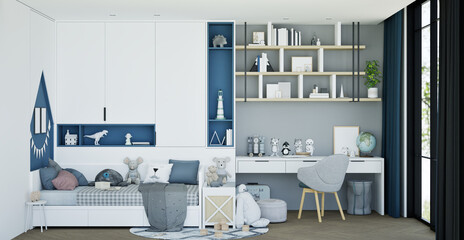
pixel 248 211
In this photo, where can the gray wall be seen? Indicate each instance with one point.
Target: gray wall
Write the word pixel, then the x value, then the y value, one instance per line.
pixel 290 120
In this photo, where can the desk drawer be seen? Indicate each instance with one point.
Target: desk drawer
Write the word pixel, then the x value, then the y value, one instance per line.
pixel 361 166
pixel 261 166
pixel 293 166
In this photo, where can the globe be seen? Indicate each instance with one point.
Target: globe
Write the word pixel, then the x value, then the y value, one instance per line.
pixel 366 142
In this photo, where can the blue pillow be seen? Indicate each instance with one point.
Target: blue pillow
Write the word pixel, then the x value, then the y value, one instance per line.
pixel 80 177
pixel 184 171
pixel 47 174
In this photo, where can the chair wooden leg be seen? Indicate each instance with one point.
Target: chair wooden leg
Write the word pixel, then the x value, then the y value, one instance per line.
pixel 322 203
pixel 301 203
pixel 339 206
pixel 317 206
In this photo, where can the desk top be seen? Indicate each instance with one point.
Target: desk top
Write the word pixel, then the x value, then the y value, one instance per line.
pixel 303 158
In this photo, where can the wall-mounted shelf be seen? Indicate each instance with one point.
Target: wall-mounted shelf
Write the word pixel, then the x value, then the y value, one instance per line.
pixel 116 136
pixel 220 76
pixel 307 99
pixel 305 47
pixel 297 73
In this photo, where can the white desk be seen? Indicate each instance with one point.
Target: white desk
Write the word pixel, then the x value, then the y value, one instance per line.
pixel 267 164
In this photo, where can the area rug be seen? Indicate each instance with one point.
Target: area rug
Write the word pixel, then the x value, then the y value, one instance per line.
pixel 194 233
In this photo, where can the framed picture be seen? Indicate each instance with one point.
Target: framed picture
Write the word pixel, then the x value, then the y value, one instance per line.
pixel 345 137
pixel 258 37
pixel 302 64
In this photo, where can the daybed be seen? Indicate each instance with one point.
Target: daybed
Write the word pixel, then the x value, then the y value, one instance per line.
pixel 86 206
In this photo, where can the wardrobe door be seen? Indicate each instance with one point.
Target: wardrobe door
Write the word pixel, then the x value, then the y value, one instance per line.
pixel 80 72
pixel 130 74
pixel 180 83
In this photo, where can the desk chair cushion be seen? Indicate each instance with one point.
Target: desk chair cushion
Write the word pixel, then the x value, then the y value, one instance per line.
pixel 325 176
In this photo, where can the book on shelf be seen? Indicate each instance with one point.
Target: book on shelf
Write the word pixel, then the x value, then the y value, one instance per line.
pixel 319 95
pixel 299 38
pixel 274 37
pixel 282 35
pixel 140 143
pixel 229 137
pixel 292 37
pixel 269 33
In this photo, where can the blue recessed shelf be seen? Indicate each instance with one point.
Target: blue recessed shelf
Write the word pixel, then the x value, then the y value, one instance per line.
pixel 220 77
pixel 116 136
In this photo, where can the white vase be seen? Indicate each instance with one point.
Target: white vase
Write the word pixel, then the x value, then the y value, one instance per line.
pixel 372 92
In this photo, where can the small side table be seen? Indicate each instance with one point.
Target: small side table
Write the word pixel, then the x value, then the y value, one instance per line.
pixel 30 214
pixel 219 204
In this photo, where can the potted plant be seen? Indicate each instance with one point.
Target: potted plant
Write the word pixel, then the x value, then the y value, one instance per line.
pixel 373 77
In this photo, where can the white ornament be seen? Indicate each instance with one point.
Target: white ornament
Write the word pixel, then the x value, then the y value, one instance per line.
pixel 274 146
pixel 309 146
pixel 97 136
pixel 298 146
pixel 128 139
pixel 220 106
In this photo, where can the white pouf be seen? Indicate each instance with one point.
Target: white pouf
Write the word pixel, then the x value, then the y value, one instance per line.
pixel 273 209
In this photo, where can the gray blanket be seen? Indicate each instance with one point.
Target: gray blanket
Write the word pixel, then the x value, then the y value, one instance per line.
pixel 165 206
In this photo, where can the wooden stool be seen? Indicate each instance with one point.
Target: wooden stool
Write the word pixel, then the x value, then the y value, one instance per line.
pixel 30 215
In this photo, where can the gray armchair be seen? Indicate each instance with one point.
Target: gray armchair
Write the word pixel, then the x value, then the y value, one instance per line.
pixel 325 176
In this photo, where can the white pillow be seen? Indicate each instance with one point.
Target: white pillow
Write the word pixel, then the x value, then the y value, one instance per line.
pixel 161 175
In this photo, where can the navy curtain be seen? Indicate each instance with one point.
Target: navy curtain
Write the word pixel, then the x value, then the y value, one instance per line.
pixel 391 132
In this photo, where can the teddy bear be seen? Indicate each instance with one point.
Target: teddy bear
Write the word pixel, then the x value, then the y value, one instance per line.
pixel 248 211
pixel 221 164
pixel 133 175
pixel 35 196
pixel 212 177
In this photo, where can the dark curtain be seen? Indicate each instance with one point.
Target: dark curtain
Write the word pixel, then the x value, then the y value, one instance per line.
pixel 450 119
pixel 391 149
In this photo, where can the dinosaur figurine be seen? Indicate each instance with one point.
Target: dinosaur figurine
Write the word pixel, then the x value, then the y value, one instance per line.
pixel 97 136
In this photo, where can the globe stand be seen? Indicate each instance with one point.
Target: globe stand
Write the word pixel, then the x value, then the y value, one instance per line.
pixel 365 155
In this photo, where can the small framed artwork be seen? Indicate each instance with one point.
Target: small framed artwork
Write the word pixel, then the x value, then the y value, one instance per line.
pixel 344 139
pixel 302 64
pixel 258 38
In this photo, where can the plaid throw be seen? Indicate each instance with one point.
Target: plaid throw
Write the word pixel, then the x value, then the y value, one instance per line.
pixel 126 196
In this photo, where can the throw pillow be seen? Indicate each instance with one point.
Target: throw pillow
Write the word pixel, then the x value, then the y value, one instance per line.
pixel 158 173
pixel 47 174
pixel 55 165
pixel 65 181
pixel 80 177
pixel 184 171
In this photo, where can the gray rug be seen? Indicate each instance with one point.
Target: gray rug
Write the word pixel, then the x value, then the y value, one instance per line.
pixel 194 233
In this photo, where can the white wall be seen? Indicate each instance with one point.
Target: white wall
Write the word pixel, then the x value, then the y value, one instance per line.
pixel 16 101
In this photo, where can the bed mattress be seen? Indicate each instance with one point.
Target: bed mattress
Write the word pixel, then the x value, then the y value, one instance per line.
pixel 90 196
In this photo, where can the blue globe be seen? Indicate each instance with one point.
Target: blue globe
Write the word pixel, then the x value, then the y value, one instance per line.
pixel 366 142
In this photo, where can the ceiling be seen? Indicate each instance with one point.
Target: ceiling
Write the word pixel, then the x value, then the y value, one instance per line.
pixel 252 11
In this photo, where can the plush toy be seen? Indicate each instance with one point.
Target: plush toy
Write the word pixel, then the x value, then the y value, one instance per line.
pixel 248 211
pixel 285 149
pixel 221 168
pixel 274 146
pixel 212 177
pixel 35 196
pixel 109 175
pixel 310 146
pixel 298 146
pixel 133 176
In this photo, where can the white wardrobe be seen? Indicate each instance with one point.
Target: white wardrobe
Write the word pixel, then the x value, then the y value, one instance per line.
pixel 134 73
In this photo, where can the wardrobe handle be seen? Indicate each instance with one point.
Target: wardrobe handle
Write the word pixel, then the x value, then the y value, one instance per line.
pixel 104 114
pixel 309 160
pixel 357 161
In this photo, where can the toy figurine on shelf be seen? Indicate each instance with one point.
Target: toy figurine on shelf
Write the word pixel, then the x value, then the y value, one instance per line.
pixel 274 146
pixel 256 146
pixel 261 146
pixel 250 146
pixel 314 40
pixel 309 146
pixel 220 106
pixel 298 146
pixel 286 149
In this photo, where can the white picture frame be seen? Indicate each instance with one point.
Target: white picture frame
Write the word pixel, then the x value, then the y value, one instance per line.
pixel 37 119
pixel 345 136
pixel 258 38
pixel 302 64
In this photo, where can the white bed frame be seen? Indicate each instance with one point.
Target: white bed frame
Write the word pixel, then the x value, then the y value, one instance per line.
pixel 106 216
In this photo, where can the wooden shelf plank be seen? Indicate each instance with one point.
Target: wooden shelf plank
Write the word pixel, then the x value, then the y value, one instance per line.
pixel 304 47
pixel 307 99
pixel 297 73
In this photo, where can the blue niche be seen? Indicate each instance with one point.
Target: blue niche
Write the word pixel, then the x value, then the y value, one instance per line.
pixel 41 143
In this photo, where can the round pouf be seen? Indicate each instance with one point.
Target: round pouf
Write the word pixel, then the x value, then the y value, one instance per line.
pixel 273 209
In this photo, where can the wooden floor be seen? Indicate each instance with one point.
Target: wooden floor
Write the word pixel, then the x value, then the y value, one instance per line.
pixel 332 227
